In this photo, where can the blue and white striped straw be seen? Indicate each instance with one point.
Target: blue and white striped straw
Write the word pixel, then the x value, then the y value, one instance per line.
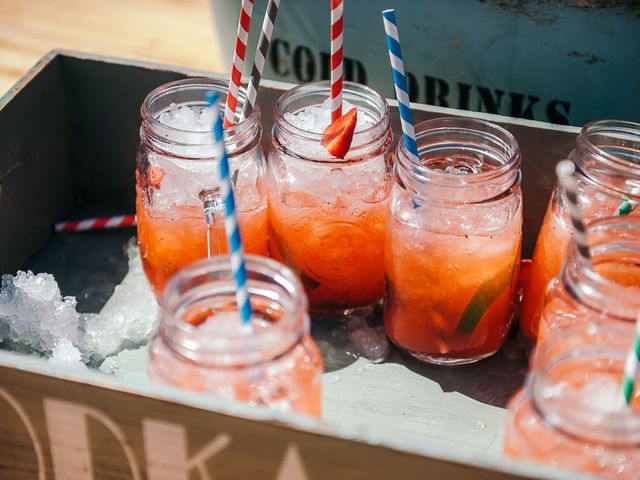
pixel 400 82
pixel 230 217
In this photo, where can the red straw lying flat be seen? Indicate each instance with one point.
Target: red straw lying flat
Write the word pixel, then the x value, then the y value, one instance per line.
pixel 244 23
pixel 337 25
pixel 96 223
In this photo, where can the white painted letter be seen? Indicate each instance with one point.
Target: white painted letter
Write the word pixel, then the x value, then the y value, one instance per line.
pixel 165 446
pixel 68 436
pixel 292 467
pixel 29 426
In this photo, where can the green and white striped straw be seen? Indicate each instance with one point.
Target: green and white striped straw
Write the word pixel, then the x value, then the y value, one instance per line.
pixel 629 205
pixel 631 368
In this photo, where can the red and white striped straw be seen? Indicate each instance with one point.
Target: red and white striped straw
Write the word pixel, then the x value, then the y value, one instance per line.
pixel 244 23
pixel 101 223
pixel 337 26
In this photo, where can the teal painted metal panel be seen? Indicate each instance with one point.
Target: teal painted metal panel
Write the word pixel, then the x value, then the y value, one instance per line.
pixel 561 61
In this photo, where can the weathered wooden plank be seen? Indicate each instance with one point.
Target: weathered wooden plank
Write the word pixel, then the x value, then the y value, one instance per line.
pixel 85 426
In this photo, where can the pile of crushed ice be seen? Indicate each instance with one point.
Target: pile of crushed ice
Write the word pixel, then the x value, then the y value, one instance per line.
pixel 36 318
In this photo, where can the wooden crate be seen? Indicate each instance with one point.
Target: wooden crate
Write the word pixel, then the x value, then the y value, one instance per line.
pixel 68 137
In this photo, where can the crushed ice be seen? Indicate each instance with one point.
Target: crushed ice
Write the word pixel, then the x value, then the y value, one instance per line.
pixel 187 118
pixel 318 117
pixel 36 318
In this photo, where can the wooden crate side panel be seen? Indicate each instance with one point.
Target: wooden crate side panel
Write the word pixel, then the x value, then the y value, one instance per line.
pixel 84 432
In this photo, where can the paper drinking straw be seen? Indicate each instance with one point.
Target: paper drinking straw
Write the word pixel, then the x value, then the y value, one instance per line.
pixel 244 23
pixel 337 27
pixel 400 82
pixel 565 171
pixel 631 368
pixel 100 223
pixel 230 217
pixel 261 55
pixel 629 205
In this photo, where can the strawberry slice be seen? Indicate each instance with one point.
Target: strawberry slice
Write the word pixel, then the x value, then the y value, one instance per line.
pixel 337 137
pixel 155 176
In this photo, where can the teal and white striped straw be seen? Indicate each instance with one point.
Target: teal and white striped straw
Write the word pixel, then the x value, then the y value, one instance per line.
pixel 230 217
pixel 400 82
pixel 631 368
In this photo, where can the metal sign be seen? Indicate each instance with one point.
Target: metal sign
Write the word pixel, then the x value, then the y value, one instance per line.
pixel 564 62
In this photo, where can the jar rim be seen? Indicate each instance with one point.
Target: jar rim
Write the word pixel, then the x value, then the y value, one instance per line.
pixel 608 126
pixel 366 142
pixel 151 124
pixel 291 325
pixel 597 284
pixel 325 86
pixel 422 129
pixel 480 136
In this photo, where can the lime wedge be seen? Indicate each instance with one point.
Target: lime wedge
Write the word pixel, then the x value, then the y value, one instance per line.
pixel 482 300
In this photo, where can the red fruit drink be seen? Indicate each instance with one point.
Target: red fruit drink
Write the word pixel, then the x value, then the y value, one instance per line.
pixel 453 240
pixel 176 174
pixel 327 214
pixel 569 415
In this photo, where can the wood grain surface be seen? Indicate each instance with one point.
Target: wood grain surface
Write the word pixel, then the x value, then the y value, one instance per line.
pixel 177 32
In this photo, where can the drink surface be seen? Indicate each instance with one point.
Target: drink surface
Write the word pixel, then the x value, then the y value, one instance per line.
pixel 326 218
pixel 259 375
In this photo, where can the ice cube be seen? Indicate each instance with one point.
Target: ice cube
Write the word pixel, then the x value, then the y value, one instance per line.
pixel 65 354
pixel 187 118
pixel 370 342
pixel 600 393
pixel 130 316
pixel 34 313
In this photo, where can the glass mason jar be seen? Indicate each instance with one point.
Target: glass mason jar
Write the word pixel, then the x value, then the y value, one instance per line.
pixel 607 288
pixel 201 344
pixel 568 415
pixel 326 214
pixel 452 249
pixel 607 159
pixel 177 176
